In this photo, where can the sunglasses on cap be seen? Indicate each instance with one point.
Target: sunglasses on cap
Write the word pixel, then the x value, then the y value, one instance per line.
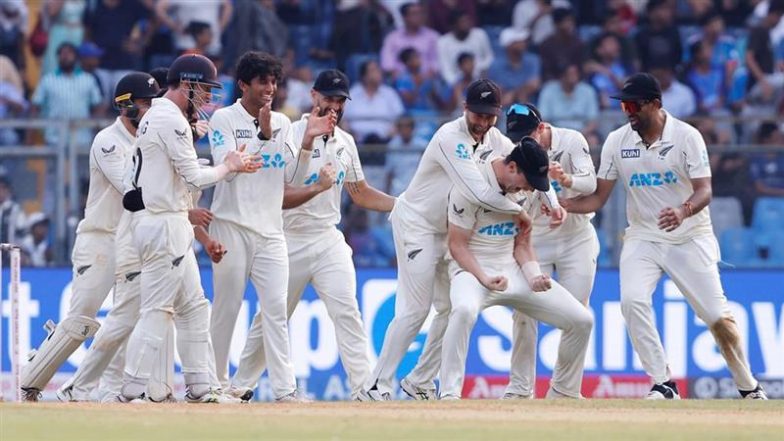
pixel 633 106
pixel 521 109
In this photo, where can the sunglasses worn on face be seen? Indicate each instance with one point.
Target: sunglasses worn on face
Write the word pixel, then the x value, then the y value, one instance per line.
pixel 632 106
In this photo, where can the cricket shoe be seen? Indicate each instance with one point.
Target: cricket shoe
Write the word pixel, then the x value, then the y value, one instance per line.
pixel 362 396
pixel 664 391
pixel 244 394
pixel 209 397
pixel 416 392
pixel 293 397
pixel 377 395
pixel 757 394
pixel 31 394
pixel 449 398
pixel 141 399
pixel 514 396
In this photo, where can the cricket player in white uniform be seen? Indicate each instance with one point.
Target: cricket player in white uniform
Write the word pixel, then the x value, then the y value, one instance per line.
pixel 571 249
pixel 495 264
pixel 663 163
pixel 165 167
pixel 317 251
pixel 419 228
pixel 248 217
pixel 94 249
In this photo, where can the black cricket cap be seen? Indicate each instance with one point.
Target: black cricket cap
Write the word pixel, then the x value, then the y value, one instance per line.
pixel 484 96
pixel 640 86
pixel 533 162
pixel 136 85
pixel 522 120
pixel 332 82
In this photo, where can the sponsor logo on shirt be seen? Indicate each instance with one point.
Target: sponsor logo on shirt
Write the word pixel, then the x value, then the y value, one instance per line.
pixel 217 139
pixel 181 134
pixel 273 161
pixel 458 211
pixel 312 179
pixel 653 179
pixel 242 133
pixel 109 150
pixel 557 157
pixel 502 229
pixel 316 153
pixel 462 152
pixel 630 153
pixel 556 186
pixel 413 253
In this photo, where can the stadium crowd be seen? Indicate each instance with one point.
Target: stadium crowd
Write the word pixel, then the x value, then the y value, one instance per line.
pixel 720 64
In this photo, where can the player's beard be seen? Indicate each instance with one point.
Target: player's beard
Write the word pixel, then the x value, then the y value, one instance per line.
pixel 478 130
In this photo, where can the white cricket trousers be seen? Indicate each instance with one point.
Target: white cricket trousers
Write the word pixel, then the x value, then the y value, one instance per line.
pixel 421 275
pixel 692 266
pixel 573 256
pixel 322 259
pixel 170 292
pixel 265 261
pixel 555 306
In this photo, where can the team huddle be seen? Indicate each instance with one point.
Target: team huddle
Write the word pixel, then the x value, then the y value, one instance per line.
pixel 486 220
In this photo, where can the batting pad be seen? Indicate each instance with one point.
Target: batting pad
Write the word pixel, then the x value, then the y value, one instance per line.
pixel 62 341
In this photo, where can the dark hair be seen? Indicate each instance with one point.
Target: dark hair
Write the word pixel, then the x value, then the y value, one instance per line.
pixel 708 17
pixel 255 64
pixel 363 68
pixel 406 6
pixel 776 7
pixel 67 45
pixel 406 54
pixel 695 48
pixel 456 15
pixel 561 14
pixel 195 28
pixel 463 57
pixel 766 129
pixel 654 4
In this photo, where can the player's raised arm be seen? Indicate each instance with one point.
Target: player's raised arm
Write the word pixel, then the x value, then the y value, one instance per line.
pixel 525 256
pixel 583 179
pixel 294 196
pixel 608 174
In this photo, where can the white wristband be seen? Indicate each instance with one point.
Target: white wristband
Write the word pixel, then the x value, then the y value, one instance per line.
pixel 531 270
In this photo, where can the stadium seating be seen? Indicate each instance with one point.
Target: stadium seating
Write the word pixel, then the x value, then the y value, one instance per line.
pixel 738 247
pixel 726 212
pixel 768 214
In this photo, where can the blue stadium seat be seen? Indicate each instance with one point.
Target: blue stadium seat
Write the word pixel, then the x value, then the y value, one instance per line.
pixel 738 247
pixel 776 250
pixel 768 214
pixel 725 212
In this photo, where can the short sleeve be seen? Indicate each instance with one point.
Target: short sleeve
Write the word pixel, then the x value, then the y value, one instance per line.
pixel 354 170
pixel 461 212
pixel 696 156
pixel 608 168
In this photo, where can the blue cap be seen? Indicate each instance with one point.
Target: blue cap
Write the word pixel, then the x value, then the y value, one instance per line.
pixel 89 49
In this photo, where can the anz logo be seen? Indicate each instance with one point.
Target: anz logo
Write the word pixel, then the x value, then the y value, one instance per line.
pixel 312 179
pixel 273 161
pixel 340 178
pixel 652 179
pixel 462 152
pixel 502 229
pixel 556 186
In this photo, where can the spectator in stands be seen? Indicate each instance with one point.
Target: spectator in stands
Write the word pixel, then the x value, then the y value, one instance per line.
pixel 659 40
pixel 766 81
pixel 456 93
pixel 464 38
pixel 494 12
pixel 65 26
pixel 606 70
pixel 614 24
pixel 403 154
pixel 13 28
pixel 414 34
pixel 440 13
pixel 707 79
pixel 519 72
pixel 677 97
pixel 89 60
pixel 535 16
pixel 734 12
pixel 418 90
pixel 36 248
pixel 201 33
pixel 12 217
pixel 723 47
pixel 374 106
pixel 113 25
pixel 730 178
pixel 299 81
pixel 563 46
pixel 178 14
pixel 359 28
pixel 12 98
pixel 767 169
pixel 281 104
pixel 256 26
pixel 68 93
pixel 569 102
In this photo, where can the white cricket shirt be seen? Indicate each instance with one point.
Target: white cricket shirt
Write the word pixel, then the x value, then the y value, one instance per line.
pixel 570 149
pixel 323 211
pixel 493 232
pixel 252 200
pixel 658 177
pixel 111 148
pixel 448 161
pixel 165 164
